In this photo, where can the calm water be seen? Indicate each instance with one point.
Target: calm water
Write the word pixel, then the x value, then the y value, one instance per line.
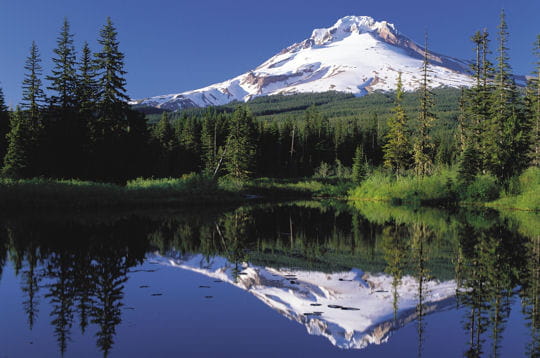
pixel 298 279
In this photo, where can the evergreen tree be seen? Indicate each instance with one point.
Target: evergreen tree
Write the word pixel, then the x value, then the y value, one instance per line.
pixel 468 164
pixel 211 134
pixel 505 136
pixel 19 150
pixel 188 136
pixel 111 95
pixel 86 82
pixel 165 136
pixel 4 125
pixel 109 128
pixel 63 79
pixel 240 147
pixel 359 170
pixel 533 109
pixel 164 132
pixel 33 96
pixel 423 146
pixel 397 147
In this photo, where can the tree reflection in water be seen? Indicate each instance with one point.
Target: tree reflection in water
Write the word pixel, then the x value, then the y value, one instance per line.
pixel 79 266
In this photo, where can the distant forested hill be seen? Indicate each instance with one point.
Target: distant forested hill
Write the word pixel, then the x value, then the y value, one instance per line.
pixel 333 105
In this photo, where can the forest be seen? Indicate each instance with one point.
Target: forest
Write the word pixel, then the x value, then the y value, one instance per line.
pixel 470 144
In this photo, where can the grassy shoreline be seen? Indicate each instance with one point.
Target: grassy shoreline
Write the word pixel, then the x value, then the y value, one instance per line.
pixel 444 189
pixel 191 189
pixel 439 190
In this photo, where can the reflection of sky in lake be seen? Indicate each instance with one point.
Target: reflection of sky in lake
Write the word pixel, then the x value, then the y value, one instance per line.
pixel 233 322
pixel 138 285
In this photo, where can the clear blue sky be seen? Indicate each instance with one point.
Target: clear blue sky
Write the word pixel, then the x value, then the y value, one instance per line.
pixel 177 45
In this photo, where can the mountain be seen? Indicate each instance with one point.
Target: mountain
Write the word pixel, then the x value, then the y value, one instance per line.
pixel 356 55
pixel 351 309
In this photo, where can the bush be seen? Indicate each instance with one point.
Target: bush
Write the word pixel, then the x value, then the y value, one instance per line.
pixel 483 188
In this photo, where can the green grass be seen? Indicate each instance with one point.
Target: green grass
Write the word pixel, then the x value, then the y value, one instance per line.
pixel 437 188
pixel 524 193
pixel 443 188
pixel 46 193
pixel 190 189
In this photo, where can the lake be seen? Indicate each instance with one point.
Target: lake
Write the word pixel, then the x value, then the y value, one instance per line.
pixel 313 278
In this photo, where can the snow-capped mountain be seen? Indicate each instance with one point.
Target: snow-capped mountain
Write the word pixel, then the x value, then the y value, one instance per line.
pixel 356 55
pixel 351 309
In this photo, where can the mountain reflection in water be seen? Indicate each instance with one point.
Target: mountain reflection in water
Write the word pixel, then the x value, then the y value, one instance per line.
pixel 354 275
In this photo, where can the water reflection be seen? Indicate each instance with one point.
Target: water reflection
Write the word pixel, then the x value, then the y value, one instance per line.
pixel 351 274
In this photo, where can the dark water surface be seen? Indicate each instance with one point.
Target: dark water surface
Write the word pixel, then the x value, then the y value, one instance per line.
pixel 310 279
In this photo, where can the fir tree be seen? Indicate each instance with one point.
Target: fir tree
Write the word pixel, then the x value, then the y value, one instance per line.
pixel 4 125
pixel 33 96
pixel 86 81
pixel 210 133
pixel 240 147
pixel 505 137
pixel 164 132
pixel 359 170
pixel 111 95
pixel 468 164
pixel 19 150
pixel 423 146
pixel 110 127
pixel 533 109
pixel 63 79
pixel 397 148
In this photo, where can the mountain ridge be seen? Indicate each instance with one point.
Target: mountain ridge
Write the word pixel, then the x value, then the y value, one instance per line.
pixel 356 55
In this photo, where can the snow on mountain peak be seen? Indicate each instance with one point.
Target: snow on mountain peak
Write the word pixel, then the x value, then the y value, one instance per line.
pixel 356 55
pixel 348 25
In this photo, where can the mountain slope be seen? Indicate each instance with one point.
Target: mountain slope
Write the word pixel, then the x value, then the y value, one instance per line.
pixel 356 55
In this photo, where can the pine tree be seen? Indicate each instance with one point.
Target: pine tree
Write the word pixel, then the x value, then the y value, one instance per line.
pixel 111 95
pixel 86 82
pixel 397 148
pixel 240 147
pixel 533 110
pixel 164 132
pixel 359 170
pixel 505 137
pixel 63 79
pixel 423 146
pixel 19 150
pixel 109 129
pixel 468 164
pixel 211 131
pixel 33 96
pixel 4 125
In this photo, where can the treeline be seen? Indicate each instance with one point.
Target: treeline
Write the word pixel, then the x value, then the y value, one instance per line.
pixel 498 126
pixel 84 128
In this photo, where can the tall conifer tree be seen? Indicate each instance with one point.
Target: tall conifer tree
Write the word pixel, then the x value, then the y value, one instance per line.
pixel 86 82
pixel 33 96
pixel 17 160
pixel 4 125
pixel 397 148
pixel 423 147
pixel 240 147
pixel 505 136
pixel 111 95
pixel 111 126
pixel 533 109
pixel 63 79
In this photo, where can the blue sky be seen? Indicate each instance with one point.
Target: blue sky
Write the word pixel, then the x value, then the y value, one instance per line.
pixel 173 46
